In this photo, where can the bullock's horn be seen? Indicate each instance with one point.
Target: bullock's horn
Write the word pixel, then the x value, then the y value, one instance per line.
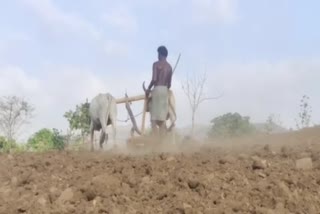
pixel 144 87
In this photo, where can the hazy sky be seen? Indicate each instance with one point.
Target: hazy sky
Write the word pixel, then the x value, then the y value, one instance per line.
pixel 263 55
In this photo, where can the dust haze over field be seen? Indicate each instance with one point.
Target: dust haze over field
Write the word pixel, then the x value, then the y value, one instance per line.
pixel 263 56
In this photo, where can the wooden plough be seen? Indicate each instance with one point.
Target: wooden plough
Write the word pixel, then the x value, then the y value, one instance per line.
pixel 127 101
pixel 144 139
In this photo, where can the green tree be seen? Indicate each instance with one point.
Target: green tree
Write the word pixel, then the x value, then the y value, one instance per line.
pixel 46 139
pixel 231 125
pixel 79 119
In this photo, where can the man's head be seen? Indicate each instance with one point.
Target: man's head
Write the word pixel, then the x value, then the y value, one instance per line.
pixel 162 52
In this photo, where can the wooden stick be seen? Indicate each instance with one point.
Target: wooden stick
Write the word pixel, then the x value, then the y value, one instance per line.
pixel 133 119
pixel 177 62
pixel 130 99
pixel 144 115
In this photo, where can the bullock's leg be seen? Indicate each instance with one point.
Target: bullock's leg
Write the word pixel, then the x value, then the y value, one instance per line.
pixel 113 120
pixel 104 122
pixel 103 137
pixel 114 132
pixel 91 136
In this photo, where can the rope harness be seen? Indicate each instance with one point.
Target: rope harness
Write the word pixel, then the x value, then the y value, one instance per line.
pixel 128 118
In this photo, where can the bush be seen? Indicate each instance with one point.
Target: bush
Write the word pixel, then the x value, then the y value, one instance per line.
pixel 11 146
pixel 45 140
pixel 230 125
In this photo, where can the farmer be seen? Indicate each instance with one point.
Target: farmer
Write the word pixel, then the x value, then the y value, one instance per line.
pixel 161 80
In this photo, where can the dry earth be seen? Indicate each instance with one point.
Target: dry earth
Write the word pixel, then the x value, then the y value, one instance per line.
pixel 262 174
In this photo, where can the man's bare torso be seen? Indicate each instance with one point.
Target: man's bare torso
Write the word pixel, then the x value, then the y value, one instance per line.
pixel 162 73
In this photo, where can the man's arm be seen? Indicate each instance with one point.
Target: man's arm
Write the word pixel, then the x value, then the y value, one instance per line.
pixel 154 76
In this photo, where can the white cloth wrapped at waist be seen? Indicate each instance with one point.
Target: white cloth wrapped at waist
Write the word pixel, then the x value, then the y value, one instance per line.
pixel 159 103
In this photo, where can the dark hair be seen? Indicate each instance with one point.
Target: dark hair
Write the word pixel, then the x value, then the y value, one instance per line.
pixel 162 50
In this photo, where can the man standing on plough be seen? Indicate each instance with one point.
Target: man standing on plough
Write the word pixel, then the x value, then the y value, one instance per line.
pixel 161 80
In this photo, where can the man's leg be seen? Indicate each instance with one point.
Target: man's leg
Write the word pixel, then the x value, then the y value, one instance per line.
pixel 162 125
pixel 154 128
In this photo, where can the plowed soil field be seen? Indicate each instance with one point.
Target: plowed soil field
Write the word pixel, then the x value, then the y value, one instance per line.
pixel 261 174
